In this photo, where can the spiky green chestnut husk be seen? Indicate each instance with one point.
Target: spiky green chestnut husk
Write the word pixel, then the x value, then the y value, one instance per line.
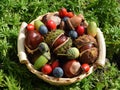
pixel 52 36
pixel 63 47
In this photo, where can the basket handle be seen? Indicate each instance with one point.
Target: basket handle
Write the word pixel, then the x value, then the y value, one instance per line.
pixel 20 44
pixel 102 49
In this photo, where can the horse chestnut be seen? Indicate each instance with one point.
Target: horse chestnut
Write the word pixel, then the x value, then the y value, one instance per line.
pixel 72 68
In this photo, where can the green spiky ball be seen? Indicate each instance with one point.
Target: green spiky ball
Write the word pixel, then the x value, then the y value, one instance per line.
pixel 52 35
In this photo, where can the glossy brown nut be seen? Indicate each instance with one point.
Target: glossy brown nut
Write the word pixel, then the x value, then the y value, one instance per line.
pixel 32 40
pixel 76 20
pixel 72 68
pixel 86 46
pixel 60 40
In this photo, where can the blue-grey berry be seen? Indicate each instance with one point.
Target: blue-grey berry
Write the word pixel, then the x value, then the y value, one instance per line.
pixel 73 34
pixel 43 29
pixel 58 72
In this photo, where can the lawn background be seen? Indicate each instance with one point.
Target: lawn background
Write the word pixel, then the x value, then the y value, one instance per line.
pixel 15 76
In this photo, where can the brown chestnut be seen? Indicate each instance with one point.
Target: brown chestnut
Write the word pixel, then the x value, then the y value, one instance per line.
pixel 82 40
pixel 76 20
pixel 86 46
pixel 89 56
pixel 33 38
pixel 60 40
pixel 72 68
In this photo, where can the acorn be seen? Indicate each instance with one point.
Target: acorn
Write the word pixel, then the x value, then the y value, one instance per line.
pixel 37 24
pixel 89 55
pixel 43 47
pixel 40 62
pixel 72 68
pixel 45 50
pixel 58 41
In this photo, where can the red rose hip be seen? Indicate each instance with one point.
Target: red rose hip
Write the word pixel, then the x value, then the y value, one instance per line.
pixel 63 12
pixel 70 14
pixel 80 30
pixel 47 69
pixel 51 25
pixel 30 27
pixel 55 64
pixel 85 67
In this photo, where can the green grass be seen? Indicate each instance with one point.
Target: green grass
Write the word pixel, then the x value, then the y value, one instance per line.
pixel 15 76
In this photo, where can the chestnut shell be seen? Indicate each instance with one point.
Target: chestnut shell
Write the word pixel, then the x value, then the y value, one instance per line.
pixel 82 40
pixel 89 56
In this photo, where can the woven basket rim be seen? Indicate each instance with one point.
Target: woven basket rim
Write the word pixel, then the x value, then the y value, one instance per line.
pixel 50 79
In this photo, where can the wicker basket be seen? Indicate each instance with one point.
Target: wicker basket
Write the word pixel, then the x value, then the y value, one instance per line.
pixel 50 79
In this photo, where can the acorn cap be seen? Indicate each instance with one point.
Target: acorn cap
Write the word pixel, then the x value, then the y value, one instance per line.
pixel 43 47
pixel 45 50
pixel 47 55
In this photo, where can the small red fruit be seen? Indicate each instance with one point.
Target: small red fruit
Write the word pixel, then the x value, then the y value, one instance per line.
pixel 70 14
pixel 80 30
pixel 51 25
pixel 55 64
pixel 47 69
pixel 85 67
pixel 62 12
pixel 30 27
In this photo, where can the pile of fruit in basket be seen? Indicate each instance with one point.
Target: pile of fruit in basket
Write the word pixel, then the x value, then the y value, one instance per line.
pixel 61 44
